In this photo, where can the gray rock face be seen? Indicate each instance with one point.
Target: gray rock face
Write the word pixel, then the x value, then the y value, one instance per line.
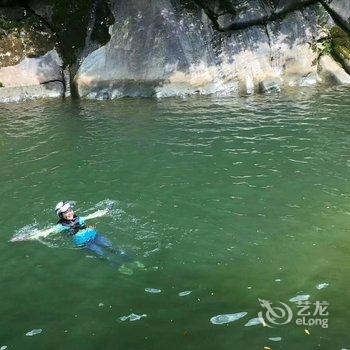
pixel 282 6
pixel 340 9
pixel 16 94
pixel 33 71
pixel 32 78
pixel 148 43
pixel 167 49
pixel 114 48
pixel 237 14
pixel 332 71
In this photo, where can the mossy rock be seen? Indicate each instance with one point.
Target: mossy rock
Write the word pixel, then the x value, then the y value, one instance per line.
pixel 339 47
pixel 340 42
pixel 26 38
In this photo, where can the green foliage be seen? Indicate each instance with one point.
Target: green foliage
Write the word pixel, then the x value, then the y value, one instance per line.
pixel 340 42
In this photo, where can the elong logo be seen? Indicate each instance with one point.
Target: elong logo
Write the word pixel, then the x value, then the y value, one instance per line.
pixel 282 313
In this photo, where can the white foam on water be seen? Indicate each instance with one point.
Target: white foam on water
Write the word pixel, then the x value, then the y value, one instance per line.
pixel 184 293
pixel 34 332
pixel 132 317
pixel 322 285
pixel 299 298
pixel 153 290
pixel 227 318
pixel 4 347
pixel 275 338
pixel 254 322
pixel 25 233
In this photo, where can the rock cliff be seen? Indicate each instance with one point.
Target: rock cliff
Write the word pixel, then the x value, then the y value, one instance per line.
pixel 106 49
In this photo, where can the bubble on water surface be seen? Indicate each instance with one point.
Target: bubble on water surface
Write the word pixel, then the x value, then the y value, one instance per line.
pixel 184 293
pixel 25 233
pixel 4 347
pixel 34 332
pixel 227 318
pixel 132 317
pixel 322 285
pixel 275 338
pixel 299 298
pixel 153 290
pixel 253 322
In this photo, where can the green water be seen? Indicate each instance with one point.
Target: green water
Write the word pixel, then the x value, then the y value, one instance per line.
pixel 220 197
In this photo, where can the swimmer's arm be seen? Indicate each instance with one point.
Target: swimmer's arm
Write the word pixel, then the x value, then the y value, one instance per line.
pixel 97 214
pixel 45 233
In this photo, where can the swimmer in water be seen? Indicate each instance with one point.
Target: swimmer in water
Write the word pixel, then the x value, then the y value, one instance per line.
pixel 86 237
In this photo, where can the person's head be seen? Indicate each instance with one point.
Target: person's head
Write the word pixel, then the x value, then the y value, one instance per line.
pixel 64 210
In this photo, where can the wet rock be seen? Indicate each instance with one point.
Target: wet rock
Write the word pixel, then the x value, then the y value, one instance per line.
pixel 39 77
pixel 28 37
pixel 81 26
pixel 148 44
pixel 17 94
pixel 112 49
pixel 271 84
pixel 282 6
pixel 15 13
pixel 340 9
pixel 244 14
pixel 33 71
pixel 332 72
pixel 173 50
pixel 66 78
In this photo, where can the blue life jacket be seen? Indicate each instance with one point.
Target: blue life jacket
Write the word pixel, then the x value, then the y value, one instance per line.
pixel 73 226
pixel 78 229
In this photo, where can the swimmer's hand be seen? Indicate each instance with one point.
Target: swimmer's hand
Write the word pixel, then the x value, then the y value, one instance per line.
pixel 110 206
